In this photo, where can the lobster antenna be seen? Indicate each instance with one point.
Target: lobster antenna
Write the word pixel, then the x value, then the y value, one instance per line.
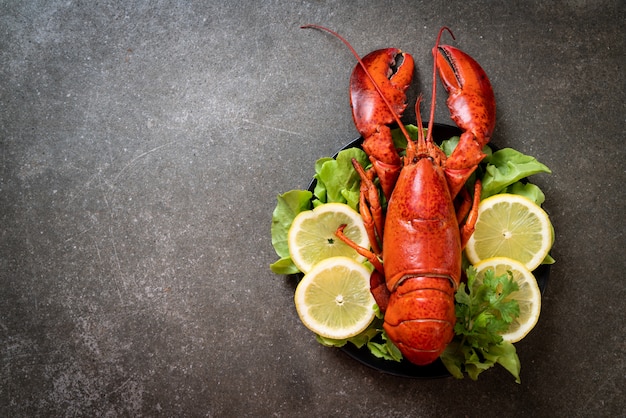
pixel 433 103
pixel 358 58
pixel 421 142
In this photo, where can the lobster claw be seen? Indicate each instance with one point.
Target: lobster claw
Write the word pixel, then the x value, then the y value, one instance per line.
pixel 472 107
pixel 392 71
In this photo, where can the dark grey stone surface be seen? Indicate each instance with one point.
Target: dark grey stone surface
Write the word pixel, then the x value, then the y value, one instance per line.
pixel 141 150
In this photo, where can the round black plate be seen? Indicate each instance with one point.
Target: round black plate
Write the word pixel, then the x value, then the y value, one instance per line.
pixel 404 368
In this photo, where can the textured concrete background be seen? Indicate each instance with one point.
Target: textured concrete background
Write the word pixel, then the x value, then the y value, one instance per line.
pixel 141 150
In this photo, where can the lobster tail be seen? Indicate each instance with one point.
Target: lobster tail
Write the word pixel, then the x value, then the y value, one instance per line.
pixel 420 318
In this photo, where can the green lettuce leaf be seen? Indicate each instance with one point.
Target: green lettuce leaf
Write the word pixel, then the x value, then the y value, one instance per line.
pixel 288 206
pixel 505 355
pixel 320 188
pixel 359 340
pixel 399 140
pixel 505 167
pixel 528 190
pixel 337 180
pixel 364 338
pixel 448 145
pixel 385 350
pixel 284 266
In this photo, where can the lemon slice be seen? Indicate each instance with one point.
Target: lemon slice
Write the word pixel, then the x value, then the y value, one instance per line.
pixel 334 299
pixel 510 226
pixel 528 296
pixel 312 236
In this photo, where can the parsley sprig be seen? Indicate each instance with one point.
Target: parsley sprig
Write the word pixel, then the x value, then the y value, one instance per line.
pixel 483 311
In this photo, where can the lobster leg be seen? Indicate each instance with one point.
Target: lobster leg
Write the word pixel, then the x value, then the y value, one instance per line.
pixel 379 290
pixel 369 207
pixel 463 204
pixel 468 227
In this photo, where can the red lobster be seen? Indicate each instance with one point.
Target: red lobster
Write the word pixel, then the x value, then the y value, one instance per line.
pixel 430 215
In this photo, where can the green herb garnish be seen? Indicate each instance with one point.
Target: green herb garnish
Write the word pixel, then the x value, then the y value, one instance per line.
pixel 483 311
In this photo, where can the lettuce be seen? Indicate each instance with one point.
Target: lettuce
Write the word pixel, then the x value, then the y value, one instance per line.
pixel 506 167
pixel 399 141
pixel 337 180
pixel 528 190
pixel 364 338
pixel 288 206
pixel 373 337
pixel 449 145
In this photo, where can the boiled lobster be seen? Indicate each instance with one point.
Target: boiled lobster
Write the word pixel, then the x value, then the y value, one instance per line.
pixel 417 241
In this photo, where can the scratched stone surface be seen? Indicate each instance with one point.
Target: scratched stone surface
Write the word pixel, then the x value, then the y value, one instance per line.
pixel 141 150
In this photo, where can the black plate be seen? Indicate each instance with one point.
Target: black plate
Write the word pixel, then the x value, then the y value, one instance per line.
pixel 405 368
